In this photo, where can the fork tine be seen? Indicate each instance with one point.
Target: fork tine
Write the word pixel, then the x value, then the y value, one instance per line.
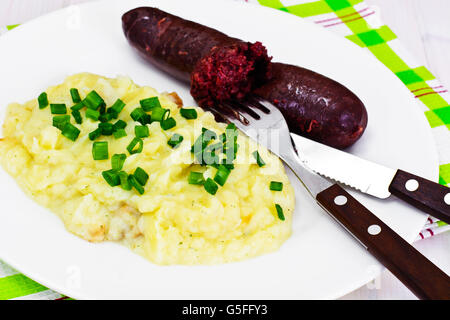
pixel 218 115
pixel 245 107
pixel 254 101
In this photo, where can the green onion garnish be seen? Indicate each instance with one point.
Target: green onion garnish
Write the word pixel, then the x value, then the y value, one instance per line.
pixel 93 100
pixel 141 176
pixel 202 141
pixel 77 116
pixel 222 175
pixel 120 124
pixel 100 150
pixel 160 114
pixel 77 106
pixel 60 121
pixel 276 186
pixel 92 114
pixel 210 186
pixel 258 158
pixel 75 95
pixel 106 128
pixel 279 212
pixel 95 134
pixel 132 146
pixel 132 180
pixel 70 132
pixel 105 117
pixel 116 108
pixel 59 108
pixel 150 103
pixel 111 177
pixel 188 113
pixel 120 133
pixel 124 183
pixel 141 131
pixel 196 178
pixel 168 123
pixel 43 100
pixel 118 160
pixel 137 114
pixel 175 140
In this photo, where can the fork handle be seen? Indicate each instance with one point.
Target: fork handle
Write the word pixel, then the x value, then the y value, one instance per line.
pixel 416 272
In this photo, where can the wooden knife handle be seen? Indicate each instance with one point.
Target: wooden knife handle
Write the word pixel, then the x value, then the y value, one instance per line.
pixel 428 196
pixel 416 272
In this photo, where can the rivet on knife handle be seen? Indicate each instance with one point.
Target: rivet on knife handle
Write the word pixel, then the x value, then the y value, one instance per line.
pixel 416 272
pixel 423 194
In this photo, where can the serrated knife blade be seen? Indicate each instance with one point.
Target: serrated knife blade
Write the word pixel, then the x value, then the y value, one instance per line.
pixel 375 179
pixel 343 167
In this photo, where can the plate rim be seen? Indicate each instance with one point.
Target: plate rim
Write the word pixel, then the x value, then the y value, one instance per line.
pixel 57 12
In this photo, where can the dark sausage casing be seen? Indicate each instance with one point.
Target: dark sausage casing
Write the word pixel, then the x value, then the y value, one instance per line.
pixel 221 68
pixel 218 67
pixel 315 106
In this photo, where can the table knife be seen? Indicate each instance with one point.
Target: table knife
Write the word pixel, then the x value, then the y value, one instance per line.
pixel 375 179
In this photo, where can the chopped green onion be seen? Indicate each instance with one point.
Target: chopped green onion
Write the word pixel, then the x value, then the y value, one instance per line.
pixel 175 140
pixel 70 132
pixel 196 178
pixel 132 180
pixel 160 114
pixel 77 107
pixel 258 158
pixel 141 131
pixel 95 134
pixel 210 186
pixel 132 146
pixel 111 177
pixel 116 108
pixel 93 100
pixel 202 141
pixel 168 123
pixel 120 124
pixel 118 160
pixel 150 103
pixel 188 113
pixel 276 186
pixel 124 183
pixel 105 117
pixel 141 176
pixel 137 114
pixel 229 166
pixel 222 175
pixel 75 95
pixel 106 128
pixel 100 150
pixel 120 133
pixel 60 121
pixel 43 100
pixel 279 212
pixel 92 114
pixel 102 109
pixel 77 116
pixel 59 108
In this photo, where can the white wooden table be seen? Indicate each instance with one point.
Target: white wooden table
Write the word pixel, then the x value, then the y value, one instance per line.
pixel 424 28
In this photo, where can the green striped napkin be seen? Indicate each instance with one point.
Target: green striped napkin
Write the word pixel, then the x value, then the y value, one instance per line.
pixel 361 24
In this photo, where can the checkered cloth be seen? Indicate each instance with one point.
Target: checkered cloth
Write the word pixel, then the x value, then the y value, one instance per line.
pixel 361 24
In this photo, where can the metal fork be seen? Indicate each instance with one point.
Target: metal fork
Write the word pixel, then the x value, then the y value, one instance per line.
pixel 256 117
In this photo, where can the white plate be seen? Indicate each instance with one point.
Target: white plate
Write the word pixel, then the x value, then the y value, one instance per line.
pixel 320 260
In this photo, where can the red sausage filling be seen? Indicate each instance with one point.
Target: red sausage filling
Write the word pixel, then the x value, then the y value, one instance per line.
pixel 230 72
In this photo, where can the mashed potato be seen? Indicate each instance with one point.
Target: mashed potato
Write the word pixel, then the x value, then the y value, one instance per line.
pixel 173 222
